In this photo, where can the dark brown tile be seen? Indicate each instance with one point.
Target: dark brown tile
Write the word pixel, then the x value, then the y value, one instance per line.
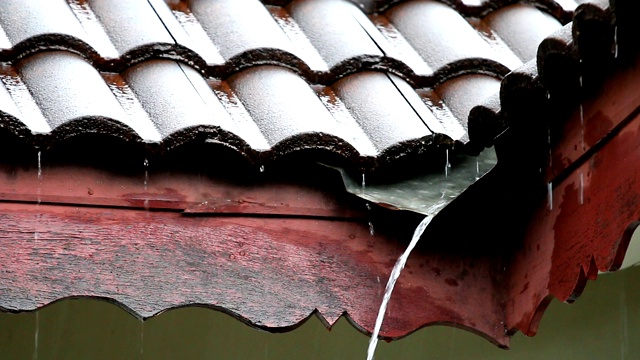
pixel 444 39
pixel 74 98
pixel 522 27
pixel 462 93
pixel 380 109
pixel 289 114
pixel 333 28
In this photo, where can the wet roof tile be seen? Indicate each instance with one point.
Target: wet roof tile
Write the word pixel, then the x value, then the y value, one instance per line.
pixel 368 80
pixel 569 65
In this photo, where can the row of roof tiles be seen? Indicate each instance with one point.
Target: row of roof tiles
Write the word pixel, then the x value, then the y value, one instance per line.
pixel 320 94
pixel 569 66
pixel 425 40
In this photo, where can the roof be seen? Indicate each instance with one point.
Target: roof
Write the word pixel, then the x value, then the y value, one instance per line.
pixel 369 81
pixel 375 86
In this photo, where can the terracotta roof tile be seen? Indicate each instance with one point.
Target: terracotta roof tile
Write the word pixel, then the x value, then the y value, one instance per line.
pixel 369 80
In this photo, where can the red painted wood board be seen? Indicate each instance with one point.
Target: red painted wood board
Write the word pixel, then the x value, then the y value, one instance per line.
pixel 587 229
pixel 270 272
pixel 594 119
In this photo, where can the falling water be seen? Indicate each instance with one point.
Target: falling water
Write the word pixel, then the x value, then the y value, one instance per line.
pixel 36 336
pixel 38 193
pixel 549 145
pixel 581 188
pixel 395 273
pixel 550 195
pixel 371 230
pixel 615 42
pixel 261 168
pixel 447 165
pixel 581 116
pixel 39 175
pixel 141 338
pixel 624 333
pixel 363 182
pixel 146 173
pixel 39 165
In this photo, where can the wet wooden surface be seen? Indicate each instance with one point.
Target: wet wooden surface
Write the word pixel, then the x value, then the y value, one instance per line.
pixel 583 225
pixel 272 272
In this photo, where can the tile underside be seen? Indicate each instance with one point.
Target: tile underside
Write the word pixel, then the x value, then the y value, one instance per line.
pixel 263 79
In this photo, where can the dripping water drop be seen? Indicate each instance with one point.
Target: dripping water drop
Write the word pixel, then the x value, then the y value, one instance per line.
pixel 447 164
pixel 582 126
pixel 615 42
pixel 39 165
pixel 550 195
pixel 141 337
pixel 550 149
pixel 39 198
pixel 581 188
pixel 393 277
pixel 371 229
pixel 363 182
pixel 261 168
pixel 146 173
pixel 36 336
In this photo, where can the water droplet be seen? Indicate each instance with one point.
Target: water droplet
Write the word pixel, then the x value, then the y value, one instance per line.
pixel 447 164
pixel 36 336
pixel 261 168
pixel 146 173
pixel 39 165
pixel 582 127
pixel 615 42
pixel 368 206
pixel 363 182
pixel 141 337
pixel 581 188
pixel 550 148
pixel 395 273
pixel 550 195
pixel 371 230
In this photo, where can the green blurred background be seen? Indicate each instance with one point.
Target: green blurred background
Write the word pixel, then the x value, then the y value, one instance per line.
pixel 603 324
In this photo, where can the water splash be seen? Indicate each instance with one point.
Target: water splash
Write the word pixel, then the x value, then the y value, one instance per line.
pixel 36 336
pixel 550 195
pixel 395 273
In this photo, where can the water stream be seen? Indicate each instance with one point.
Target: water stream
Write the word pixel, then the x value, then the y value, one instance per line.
pixel 395 274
